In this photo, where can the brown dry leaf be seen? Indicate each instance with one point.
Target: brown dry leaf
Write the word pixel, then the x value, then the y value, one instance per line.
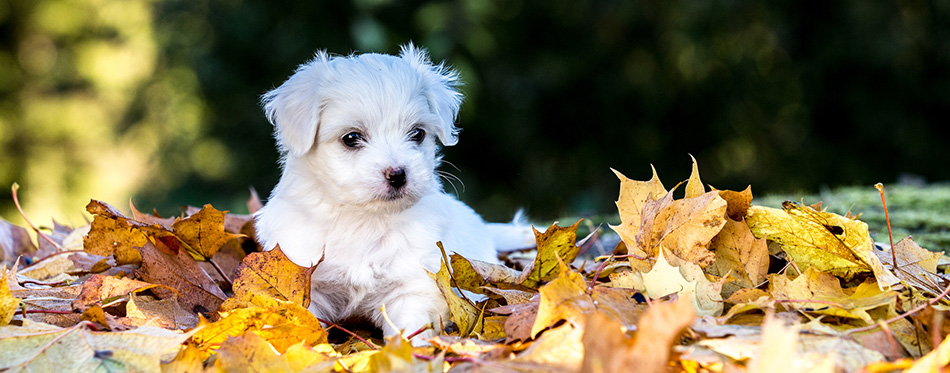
pixel 461 312
pixel 522 316
pixel 100 289
pixel 111 237
pixel 204 232
pixel 271 274
pixel 14 242
pixel 556 242
pixel 633 195
pixel 46 348
pixel 821 293
pixel 513 296
pixel 8 303
pixel 609 349
pixel 58 299
pixel 164 313
pixel 826 241
pixel 694 186
pixel 737 203
pixel 161 237
pixel 916 266
pixel 196 290
pixel 557 350
pixel 564 298
pixel 685 227
pixel 249 353
pixel 740 254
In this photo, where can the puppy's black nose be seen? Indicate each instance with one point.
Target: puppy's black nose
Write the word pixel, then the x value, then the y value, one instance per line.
pixel 396 177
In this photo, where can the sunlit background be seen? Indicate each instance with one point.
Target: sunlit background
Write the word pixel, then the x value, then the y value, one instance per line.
pixel 158 100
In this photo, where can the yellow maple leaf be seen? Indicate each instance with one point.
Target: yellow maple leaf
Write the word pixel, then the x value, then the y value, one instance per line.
pixel 633 195
pixel 462 312
pixel 829 242
pixel 285 324
pixel 554 245
pixel 564 298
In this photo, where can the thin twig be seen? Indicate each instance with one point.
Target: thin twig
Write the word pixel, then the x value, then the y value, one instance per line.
pixel 221 272
pixel 21 312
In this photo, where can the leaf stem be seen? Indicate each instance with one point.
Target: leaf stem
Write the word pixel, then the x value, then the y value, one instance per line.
pixel 16 202
pixel 597 274
pixel 887 217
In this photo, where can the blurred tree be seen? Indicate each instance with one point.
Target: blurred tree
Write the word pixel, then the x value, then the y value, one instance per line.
pixel 106 99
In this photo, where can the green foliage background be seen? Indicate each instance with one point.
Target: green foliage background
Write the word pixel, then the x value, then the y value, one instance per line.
pixel 158 100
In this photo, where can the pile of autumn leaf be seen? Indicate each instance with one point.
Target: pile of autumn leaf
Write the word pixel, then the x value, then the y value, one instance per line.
pixel 706 282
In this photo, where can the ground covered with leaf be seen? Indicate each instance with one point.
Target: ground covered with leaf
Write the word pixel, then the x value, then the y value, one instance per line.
pixel 701 282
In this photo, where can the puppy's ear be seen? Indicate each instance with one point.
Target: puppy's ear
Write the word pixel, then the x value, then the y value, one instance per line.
pixel 294 107
pixel 440 91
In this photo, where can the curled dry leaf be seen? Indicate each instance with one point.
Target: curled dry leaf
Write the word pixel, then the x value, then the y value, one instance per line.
pixel 826 241
pixel 100 289
pixel 554 245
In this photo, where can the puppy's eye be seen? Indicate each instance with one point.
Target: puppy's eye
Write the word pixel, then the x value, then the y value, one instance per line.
pixel 417 135
pixel 352 139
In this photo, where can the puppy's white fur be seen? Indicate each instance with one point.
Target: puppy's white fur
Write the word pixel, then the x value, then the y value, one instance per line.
pixel 338 201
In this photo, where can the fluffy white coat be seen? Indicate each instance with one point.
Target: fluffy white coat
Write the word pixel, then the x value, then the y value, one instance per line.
pixel 359 136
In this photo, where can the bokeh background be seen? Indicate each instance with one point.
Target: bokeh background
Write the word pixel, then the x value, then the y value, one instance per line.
pixel 158 100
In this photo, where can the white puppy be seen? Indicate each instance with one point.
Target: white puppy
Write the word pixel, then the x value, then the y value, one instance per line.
pixel 359 137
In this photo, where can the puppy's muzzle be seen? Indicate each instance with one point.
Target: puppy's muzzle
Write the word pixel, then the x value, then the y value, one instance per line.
pixel 396 177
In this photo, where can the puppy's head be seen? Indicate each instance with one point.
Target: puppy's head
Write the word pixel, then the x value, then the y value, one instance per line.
pixel 363 128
